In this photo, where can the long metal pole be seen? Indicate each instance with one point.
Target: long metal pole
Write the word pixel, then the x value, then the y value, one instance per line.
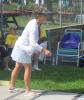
pixel 60 13
pixel 81 10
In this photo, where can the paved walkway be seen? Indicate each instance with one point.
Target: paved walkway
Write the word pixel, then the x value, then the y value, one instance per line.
pixel 45 95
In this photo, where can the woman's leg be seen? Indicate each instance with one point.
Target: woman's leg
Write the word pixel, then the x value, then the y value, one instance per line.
pixel 14 74
pixel 27 76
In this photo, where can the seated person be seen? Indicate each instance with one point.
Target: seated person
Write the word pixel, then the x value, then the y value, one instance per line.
pixel 37 55
pixel 11 38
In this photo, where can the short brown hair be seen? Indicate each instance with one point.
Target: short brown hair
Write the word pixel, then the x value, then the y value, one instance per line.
pixel 39 10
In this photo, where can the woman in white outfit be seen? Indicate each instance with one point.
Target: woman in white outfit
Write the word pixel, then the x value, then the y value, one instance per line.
pixel 25 47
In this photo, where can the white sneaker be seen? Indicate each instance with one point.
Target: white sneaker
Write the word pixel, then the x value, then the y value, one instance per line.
pixel 7 69
pixel 35 67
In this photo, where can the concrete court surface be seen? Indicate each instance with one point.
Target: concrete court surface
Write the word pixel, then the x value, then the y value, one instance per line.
pixel 45 95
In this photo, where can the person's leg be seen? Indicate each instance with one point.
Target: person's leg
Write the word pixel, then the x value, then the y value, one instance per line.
pixel 27 76
pixel 35 61
pixel 36 58
pixel 6 61
pixel 14 74
pixel 5 57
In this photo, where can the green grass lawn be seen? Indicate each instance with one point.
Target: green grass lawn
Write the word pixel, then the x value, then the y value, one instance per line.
pixel 59 78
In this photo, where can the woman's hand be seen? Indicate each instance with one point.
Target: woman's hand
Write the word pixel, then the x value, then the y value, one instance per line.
pixel 47 52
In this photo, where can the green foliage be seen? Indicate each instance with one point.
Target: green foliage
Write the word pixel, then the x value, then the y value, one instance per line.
pixel 10 7
pixel 29 6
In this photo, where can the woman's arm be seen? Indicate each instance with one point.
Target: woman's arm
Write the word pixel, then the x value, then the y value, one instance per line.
pixel 33 40
pixel 34 43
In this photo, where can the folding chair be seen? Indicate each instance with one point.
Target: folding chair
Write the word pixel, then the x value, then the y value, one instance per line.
pixel 69 45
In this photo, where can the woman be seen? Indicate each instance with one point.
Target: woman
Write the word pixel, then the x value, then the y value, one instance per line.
pixel 25 47
pixel 11 38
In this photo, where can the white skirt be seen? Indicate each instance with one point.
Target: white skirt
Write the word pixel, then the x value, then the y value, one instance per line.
pixel 20 55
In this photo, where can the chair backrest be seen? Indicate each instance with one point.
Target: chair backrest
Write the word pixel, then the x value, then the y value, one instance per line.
pixel 74 31
pixel 71 38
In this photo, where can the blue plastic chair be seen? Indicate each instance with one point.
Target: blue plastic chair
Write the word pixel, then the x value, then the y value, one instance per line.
pixel 70 49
